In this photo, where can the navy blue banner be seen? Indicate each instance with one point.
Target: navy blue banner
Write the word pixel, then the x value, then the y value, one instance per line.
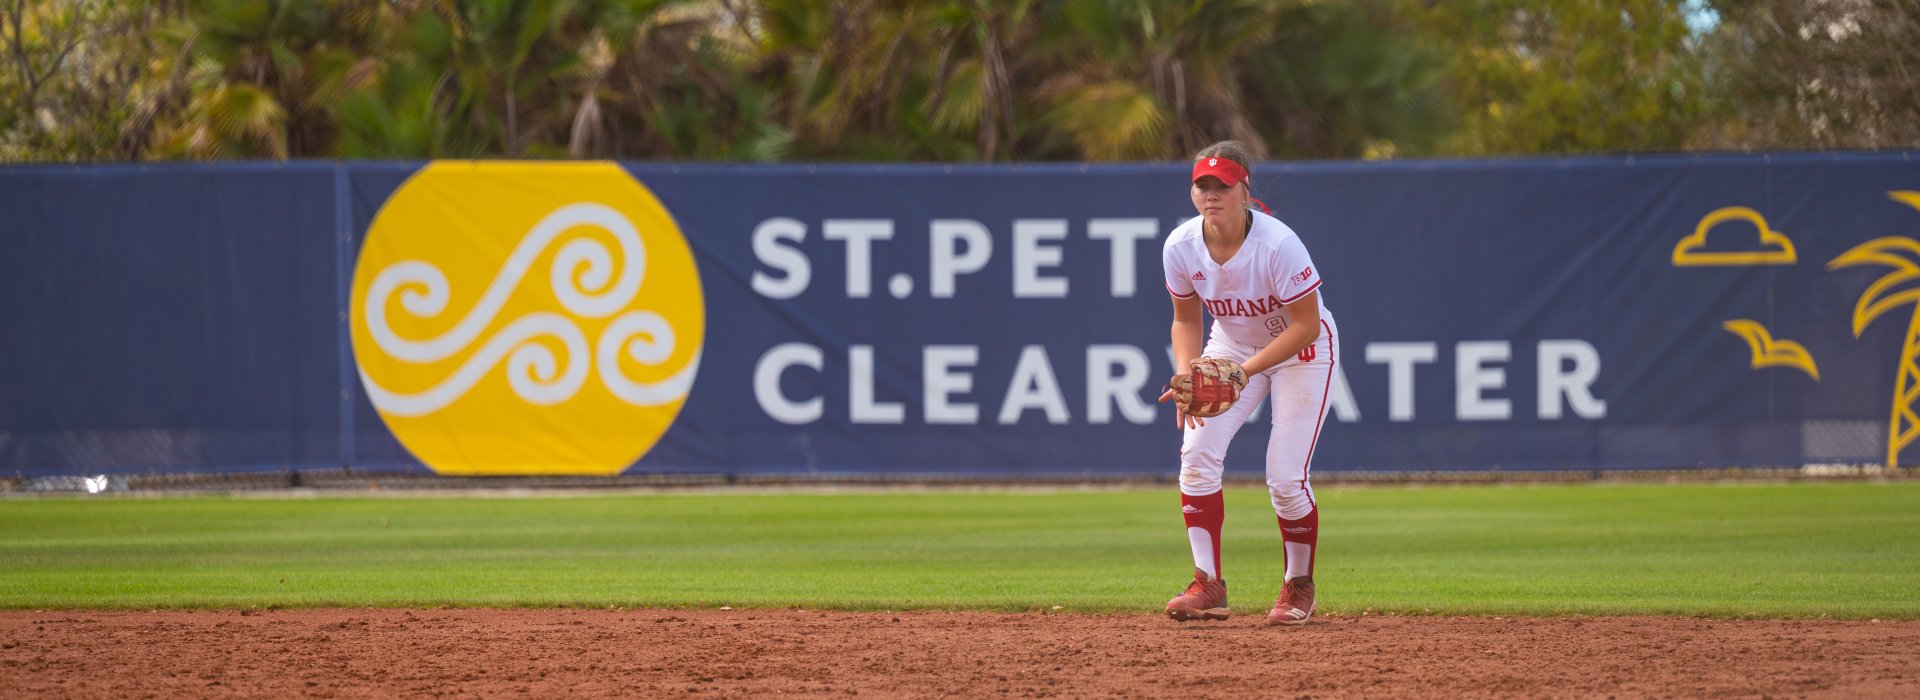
pixel 173 318
pixel 1530 314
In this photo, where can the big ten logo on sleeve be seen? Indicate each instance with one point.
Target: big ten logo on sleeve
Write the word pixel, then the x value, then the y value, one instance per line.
pixel 526 318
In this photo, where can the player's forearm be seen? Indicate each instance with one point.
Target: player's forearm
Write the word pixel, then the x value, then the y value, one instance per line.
pixel 1186 343
pixel 1289 343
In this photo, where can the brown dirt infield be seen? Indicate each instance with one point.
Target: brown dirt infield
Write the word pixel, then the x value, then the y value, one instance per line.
pixel 739 653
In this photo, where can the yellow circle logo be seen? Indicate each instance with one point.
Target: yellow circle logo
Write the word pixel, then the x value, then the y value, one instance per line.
pixel 526 318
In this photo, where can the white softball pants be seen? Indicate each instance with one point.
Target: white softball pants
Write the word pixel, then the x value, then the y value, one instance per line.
pixel 1297 390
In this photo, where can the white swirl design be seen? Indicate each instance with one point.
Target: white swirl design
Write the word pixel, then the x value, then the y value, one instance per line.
pixel 428 303
pixel 533 371
pixel 649 341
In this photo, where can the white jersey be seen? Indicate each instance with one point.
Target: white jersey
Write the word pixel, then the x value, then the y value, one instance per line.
pixel 1245 295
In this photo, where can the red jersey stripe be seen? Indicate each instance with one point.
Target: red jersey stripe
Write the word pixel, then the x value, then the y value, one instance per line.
pixel 1304 292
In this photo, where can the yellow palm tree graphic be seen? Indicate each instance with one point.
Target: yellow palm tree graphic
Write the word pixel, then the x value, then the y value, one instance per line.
pixel 1903 255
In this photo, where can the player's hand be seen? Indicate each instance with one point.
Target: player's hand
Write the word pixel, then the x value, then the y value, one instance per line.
pixel 1171 392
pixel 1210 387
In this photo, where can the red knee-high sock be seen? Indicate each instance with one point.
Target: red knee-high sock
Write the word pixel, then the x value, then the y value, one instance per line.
pixel 1302 537
pixel 1205 513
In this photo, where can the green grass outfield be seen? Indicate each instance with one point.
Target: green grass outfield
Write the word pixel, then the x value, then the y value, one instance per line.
pixel 1848 550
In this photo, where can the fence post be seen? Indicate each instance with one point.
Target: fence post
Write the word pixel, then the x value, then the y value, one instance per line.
pixel 343 298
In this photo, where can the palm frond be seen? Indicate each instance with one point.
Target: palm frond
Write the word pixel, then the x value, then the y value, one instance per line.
pixel 962 100
pixel 1114 120
pixel 1898 252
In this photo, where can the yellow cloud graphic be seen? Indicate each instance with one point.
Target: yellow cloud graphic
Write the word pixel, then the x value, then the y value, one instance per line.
pixel 1775 247
pixel 1768 352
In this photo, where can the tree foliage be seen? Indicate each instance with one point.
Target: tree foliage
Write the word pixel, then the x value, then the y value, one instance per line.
pixel 75 72
pixel 947 80
pixel 1572 76
pixel 1836 74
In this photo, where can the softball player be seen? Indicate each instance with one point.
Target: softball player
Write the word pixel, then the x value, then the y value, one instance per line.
pixel 1252 274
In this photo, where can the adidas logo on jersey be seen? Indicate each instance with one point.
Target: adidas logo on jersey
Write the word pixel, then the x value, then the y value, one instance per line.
pixel 1199 276
pixel 1189 510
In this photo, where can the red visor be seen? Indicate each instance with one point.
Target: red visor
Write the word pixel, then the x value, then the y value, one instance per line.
pixel 1224 168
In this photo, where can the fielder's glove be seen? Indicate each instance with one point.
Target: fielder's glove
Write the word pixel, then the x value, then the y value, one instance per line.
pixel 1209 387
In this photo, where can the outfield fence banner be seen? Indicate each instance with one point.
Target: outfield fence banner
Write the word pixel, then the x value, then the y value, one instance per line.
pixel 596 318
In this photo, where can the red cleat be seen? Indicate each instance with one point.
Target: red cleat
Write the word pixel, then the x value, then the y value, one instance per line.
pixel 1205 599
pixel 1295 604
